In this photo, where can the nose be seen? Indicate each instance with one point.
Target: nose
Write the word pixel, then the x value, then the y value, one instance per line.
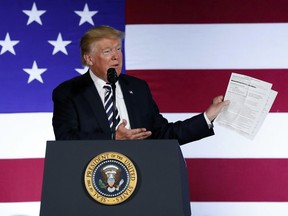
pixel 116 53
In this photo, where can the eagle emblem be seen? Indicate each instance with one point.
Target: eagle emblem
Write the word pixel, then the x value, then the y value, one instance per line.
pixel 110 178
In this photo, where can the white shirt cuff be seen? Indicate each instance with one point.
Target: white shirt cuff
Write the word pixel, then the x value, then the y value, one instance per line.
pixel 209 123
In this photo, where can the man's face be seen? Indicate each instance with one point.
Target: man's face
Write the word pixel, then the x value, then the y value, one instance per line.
pixel 105 54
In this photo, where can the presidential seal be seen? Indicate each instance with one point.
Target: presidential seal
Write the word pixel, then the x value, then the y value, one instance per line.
pixel 110 178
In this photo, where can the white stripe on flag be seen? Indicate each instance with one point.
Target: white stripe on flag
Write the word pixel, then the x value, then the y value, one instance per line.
pixel 239 208
pixel 198 209
pixel 206 46
pixel 24 135
pixel 20 209
pixel 268 143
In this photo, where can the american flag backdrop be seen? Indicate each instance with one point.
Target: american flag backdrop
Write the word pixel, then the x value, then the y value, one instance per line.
pixel 186 51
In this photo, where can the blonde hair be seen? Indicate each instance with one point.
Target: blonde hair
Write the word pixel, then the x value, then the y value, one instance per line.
pixel 95 34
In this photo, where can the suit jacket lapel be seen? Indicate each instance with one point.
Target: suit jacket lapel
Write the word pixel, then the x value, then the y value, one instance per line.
pixel 93 98
pixel 127 92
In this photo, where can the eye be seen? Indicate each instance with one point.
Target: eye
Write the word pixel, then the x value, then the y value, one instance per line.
pixel 106 52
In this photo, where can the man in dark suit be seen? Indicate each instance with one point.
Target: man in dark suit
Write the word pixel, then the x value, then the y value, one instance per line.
pixel 78 103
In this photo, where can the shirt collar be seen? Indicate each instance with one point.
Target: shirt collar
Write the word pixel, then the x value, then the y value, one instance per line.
pixel 99 82
pixel 96 80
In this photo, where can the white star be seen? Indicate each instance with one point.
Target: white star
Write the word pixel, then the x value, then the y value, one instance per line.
pixel 82 70
pixel 59 45
pixel 35 72
pixel 8 44
pixel 34 14
pixel 86 15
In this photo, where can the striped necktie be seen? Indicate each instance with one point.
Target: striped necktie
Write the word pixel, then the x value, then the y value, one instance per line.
pixel 108 105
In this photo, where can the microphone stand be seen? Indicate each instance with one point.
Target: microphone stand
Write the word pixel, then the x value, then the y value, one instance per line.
pixel 114 110
pixel 112 79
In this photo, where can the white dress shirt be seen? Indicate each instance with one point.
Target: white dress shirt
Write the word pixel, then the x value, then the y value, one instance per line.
pixel 120 103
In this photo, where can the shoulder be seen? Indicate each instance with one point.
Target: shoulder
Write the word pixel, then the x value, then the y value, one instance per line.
pixel 131 80
pixel 77 83
pixel 133 84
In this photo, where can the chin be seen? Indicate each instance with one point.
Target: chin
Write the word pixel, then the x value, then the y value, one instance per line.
pixel 118 71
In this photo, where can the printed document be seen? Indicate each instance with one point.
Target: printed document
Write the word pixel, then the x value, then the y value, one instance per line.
pixel 250 102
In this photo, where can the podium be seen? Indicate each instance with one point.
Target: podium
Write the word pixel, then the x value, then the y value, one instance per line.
pixel 162 180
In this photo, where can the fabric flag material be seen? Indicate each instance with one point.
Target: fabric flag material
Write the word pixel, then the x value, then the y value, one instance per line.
pixel 39 48
pixel 197 45
pixel 193 44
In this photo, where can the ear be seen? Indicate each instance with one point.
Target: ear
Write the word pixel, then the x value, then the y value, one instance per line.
pixel 88 59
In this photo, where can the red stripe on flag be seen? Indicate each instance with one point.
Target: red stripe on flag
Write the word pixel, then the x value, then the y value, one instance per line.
pixel 21 180
pixel 238 180
pixel 199 11
pixel 209 180
pixel 193 90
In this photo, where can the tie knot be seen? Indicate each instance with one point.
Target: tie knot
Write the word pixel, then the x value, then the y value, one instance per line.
pixel 107 87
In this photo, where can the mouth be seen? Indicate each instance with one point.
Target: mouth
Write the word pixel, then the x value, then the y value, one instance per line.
pixel 114 66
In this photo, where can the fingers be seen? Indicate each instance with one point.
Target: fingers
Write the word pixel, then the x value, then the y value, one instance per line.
pixel 122 133
pixel 216 107
pixel 219 100
pixel 140 133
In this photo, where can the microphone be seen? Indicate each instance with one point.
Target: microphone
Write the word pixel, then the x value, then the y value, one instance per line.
pixel 112 76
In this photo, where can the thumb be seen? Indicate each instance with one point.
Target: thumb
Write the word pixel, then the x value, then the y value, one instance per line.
pixel 226 102
pixel 217 99
pixel 123 123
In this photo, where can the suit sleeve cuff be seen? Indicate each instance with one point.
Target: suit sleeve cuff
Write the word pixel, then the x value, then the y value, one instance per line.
pixel 209 123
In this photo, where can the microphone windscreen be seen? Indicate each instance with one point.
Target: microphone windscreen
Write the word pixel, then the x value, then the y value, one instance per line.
pixel 112 75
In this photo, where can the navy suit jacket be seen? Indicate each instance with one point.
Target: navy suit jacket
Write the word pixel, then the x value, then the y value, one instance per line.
pixel 79 112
